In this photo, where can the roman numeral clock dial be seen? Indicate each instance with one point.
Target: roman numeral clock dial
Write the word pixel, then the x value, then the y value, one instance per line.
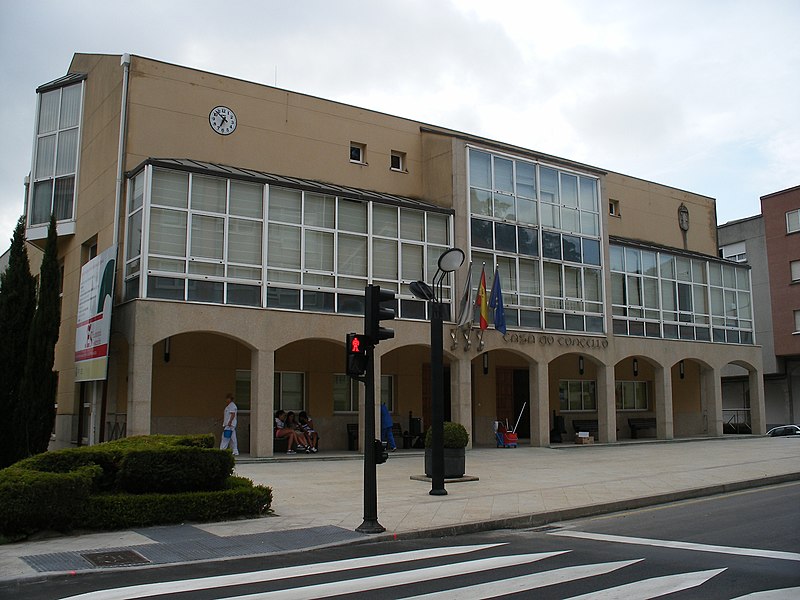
pixel 222 120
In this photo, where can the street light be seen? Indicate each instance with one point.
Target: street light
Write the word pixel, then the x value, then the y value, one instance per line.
pixel 448 262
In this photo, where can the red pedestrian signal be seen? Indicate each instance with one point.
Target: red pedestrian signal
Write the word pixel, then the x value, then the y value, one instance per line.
pixel 357 346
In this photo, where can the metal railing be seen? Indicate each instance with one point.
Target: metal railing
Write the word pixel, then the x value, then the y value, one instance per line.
pixel 736 420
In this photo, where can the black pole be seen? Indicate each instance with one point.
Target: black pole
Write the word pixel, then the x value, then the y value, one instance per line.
pixel 370 524
pixel 437 399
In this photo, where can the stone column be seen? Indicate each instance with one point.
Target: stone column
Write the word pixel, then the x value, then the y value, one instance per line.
pixel 540 404
pixel 262 391
pixel 711 386
pixel 606 404
pixel 665 429
pixel 140 378
pixel 758 417
pixel 461 393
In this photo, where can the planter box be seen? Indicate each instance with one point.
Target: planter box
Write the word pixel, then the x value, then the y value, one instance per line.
pixel 454 462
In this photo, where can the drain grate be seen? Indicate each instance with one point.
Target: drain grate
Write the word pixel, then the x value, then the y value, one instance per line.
pixel 115 558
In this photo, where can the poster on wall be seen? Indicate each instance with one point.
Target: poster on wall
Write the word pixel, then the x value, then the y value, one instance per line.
pixel 93 332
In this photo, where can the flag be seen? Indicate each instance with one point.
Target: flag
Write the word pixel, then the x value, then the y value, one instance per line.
pixel 496 302
pixel 465 310
pixel 481 302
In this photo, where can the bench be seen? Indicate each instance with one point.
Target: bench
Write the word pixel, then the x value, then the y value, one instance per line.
pixel 280 445
pixel 640 423
pixel 589 425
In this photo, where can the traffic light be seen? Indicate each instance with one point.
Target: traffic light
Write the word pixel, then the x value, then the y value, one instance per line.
pixel 357 346
pixel 375 311
pixel 381 453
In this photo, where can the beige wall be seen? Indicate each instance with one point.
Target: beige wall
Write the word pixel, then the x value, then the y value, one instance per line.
pixel 649 212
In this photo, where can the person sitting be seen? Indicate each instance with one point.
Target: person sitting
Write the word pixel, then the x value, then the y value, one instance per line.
pixel 307 427
pixel 282 431
pixel 305 440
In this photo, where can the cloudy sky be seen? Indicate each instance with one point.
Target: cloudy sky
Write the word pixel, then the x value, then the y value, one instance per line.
pixel 701 95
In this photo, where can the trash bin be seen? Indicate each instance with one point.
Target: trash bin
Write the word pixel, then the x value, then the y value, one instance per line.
pixel 352 436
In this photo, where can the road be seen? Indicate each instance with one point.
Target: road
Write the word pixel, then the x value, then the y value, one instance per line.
pixel 738 545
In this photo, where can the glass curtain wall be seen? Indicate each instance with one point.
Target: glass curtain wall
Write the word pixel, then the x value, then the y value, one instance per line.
pixel 225 241
pixel 662 295
pixel 540 226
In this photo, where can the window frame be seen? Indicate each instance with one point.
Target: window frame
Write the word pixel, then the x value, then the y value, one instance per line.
pixel 277 400
pixel 352 387
pixel 361 149
pixel 587 386
pixel 401 161
pixel 791 216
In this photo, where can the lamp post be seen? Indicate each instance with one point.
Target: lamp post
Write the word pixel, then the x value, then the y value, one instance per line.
pixel 449 261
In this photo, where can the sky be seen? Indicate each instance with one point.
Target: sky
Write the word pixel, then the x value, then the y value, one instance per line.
pixel 701 95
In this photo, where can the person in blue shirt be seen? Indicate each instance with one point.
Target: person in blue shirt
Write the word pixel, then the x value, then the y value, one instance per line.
pixel 386 428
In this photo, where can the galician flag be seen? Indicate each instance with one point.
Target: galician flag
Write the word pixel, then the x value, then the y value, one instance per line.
pixel 465 315
pixel 481 301
pixel 496 302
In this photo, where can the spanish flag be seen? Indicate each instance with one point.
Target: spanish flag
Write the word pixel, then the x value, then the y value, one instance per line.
pixel 481 301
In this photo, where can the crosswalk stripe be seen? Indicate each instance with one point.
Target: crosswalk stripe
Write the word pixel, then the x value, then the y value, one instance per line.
pixel 364 584
pixel 784 594
pixel 515 585
pixel 203 583
pixel 652 588
pixel 622 539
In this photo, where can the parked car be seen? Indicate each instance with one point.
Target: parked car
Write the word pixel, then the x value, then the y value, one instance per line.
pixel 784 430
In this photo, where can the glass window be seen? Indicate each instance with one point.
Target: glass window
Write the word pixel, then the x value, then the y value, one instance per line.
pixel 482 234
pixel 246 199
pixel 569 190
pixel 503 175
pixel 548 184
pixel 170 188
pixel 480 169
pixel 384 220
pixel 588 192
pixel 591 251
pixel 352 216
pixel 284 205
pixel 167 232
pixel 345 394
pixel 505 237
pixel 794 269
pixel 244 241
pixel 384 258
pixel 412 226
pixel 529 242
pixel 289 391
pixel 551 245
pixel 438 229
pixel 480 202
pixel 352 255
pixel 412 262
pixel 207 236
pixel 283 248
pixel 319 251
pixel 526 180
pixel 208 193
pixel 793 221
pixel 572 248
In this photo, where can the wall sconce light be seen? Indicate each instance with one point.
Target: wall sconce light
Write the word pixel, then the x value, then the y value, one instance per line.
pixel 166 350
pixel 580 365
pixel 485 363
pixel 681 369
pixel 635 367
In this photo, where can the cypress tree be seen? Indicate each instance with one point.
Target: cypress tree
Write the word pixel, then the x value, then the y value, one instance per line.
pixel 17 302
pixel 39 383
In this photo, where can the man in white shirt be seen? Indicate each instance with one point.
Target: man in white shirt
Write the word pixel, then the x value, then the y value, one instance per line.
pixel 229 426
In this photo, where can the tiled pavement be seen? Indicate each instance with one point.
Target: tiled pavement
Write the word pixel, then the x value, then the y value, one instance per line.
pixel 318 499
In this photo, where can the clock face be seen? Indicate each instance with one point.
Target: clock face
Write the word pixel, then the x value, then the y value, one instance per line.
pixel 222 120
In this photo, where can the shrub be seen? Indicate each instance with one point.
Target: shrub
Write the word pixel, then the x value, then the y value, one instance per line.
pixel 173 479
pixel 455 435
pixel 31 500
pixel 174 469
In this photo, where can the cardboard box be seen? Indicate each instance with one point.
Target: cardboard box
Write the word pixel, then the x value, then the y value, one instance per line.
pixel 587 439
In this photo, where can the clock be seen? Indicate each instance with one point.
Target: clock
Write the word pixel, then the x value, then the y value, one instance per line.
pixel 222 120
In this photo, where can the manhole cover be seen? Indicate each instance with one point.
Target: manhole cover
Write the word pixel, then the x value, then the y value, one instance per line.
pixel 115 558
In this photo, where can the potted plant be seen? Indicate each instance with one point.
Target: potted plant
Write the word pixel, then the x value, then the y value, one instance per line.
pixel 456 439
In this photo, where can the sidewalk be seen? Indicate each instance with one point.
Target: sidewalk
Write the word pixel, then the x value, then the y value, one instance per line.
pixel 318 499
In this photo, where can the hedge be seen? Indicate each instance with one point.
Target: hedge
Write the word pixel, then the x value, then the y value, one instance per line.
pixel 138 481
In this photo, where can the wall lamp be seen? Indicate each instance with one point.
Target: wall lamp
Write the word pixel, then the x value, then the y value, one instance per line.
pixel 485 363
pixel 166 350
pixel 635 367
pixel 681 369
pixel 580 365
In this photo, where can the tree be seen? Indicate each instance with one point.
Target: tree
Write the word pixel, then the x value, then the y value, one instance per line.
pixel 17 303
pixel 39 383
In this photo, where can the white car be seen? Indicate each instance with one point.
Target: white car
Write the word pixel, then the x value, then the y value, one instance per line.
pixel 784 430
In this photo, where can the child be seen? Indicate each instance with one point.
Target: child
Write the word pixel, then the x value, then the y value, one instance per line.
pixel 281 430
pixel 307 427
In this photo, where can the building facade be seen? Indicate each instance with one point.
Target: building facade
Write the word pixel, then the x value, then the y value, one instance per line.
pixel 249 219
pixel 770 244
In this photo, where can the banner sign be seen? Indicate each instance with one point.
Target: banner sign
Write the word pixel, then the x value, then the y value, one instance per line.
pixel 93 332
